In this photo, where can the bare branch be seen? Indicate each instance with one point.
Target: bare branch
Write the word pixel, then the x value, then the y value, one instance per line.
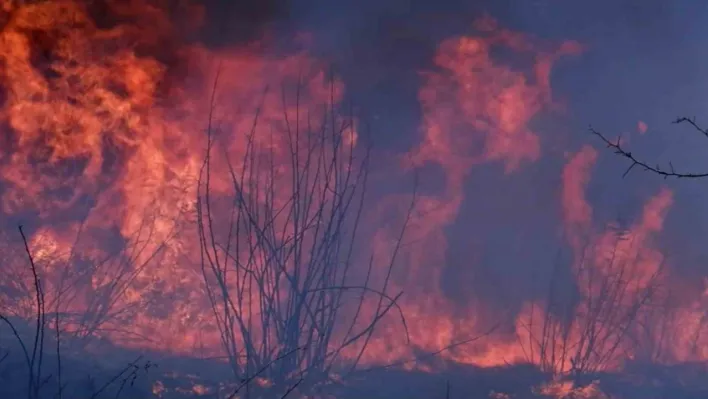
pixel 692 122
pixel 616 146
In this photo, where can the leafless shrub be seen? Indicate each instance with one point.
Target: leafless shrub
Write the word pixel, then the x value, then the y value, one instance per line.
pixel 34 357
pixel 34 348
pixel 583 327
pixel 90 283
pixel 278 254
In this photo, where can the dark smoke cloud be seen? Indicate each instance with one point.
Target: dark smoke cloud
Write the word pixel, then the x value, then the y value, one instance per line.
pixel 232 22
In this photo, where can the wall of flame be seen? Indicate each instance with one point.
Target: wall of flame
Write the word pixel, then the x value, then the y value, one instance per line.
pixel 103 121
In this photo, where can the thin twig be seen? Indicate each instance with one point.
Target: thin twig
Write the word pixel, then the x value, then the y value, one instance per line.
pixel 115 378
pixel 292 388
pixel 38 346
pixel 666 173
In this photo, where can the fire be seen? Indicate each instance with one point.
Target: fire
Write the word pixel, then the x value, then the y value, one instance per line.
pixel 110 128
pixel 642 127
pixel 99 132
pixel 616 271
pixel 622 287
pixel 565 389
pixel 475 111
pixel 577 213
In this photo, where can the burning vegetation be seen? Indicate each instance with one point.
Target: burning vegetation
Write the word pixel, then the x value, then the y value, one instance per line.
pixel 224 213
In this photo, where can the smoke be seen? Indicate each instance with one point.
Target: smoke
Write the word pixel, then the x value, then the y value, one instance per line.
pixel 104 112
pixel 232 23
